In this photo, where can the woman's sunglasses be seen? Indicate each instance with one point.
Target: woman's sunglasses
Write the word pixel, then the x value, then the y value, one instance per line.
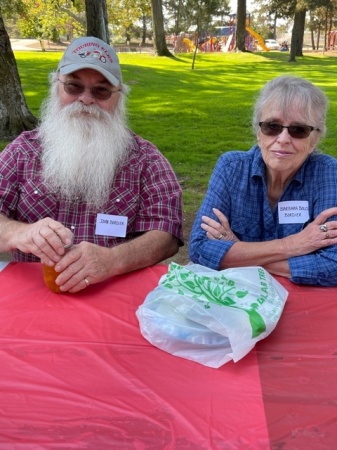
pixel 295 131
pixel 98 92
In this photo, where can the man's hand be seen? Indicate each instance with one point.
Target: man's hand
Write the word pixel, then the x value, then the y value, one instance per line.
pixel 86 263
pixel 82 265
pixel 45 239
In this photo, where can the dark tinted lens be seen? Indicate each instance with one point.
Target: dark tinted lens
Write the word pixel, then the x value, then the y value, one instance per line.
pixel 101 93
pixel 73 88
pixel 98 92
pixel 271 128
pixel 299 131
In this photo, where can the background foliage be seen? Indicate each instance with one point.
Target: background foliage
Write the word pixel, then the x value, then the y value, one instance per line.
pixel 194 115
pixel 131 19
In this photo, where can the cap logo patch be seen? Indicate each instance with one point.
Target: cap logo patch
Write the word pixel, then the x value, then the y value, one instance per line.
pixel 94 54
pixel 99 52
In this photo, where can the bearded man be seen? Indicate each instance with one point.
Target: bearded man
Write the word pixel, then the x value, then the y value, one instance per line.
pixel 84 178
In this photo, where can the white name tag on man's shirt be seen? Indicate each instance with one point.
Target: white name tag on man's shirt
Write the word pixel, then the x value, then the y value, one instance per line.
pixel 109 225
pixel 294 211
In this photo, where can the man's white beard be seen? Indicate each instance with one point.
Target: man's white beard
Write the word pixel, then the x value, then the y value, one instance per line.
pixel 82 149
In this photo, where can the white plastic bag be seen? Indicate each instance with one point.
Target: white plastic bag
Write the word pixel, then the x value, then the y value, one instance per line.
pixel 210 316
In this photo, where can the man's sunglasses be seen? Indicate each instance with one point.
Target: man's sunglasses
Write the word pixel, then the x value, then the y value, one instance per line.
pixel 295 131
pixel 98 92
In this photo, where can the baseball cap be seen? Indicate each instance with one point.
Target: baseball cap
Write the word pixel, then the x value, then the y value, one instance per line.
pixel 91 53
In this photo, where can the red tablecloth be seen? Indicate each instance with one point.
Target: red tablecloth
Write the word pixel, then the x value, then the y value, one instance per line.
pixel 77 374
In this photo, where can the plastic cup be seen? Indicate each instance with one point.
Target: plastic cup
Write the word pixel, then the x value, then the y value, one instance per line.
pixel 50 274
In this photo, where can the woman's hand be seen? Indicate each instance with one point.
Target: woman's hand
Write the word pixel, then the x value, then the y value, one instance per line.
pixel 216 230
pixel 318 234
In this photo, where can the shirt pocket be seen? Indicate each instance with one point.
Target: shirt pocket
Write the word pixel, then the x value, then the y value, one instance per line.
pixel 123 201
pixel 247 228
pixel 36 201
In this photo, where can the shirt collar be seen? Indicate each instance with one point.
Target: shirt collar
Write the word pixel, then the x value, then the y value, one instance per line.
pixel 258 166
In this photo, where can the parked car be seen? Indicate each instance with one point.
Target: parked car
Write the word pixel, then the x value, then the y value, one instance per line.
pixel 272 44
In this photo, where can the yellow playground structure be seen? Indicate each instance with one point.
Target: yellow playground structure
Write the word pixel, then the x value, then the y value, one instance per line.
pixel 259 39
pixel 224 41
pixel 183 44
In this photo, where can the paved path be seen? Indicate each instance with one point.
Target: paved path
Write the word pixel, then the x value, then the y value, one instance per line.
pixel 35 45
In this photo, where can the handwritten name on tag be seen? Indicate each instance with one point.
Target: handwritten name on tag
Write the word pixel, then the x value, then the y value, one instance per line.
pixel 294 211
pixel 110 225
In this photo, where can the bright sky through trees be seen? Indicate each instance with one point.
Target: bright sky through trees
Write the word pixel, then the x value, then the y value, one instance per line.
pixel 233 5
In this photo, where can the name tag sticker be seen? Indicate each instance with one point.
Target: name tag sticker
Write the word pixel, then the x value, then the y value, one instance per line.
pixel 109 225
pixel 295 211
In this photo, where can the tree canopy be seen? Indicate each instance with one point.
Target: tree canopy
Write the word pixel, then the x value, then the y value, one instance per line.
pixel 65 19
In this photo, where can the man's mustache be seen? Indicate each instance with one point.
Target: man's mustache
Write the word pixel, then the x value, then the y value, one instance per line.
pixel 77 109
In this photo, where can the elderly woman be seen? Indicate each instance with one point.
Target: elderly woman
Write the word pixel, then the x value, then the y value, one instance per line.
pixel 275 205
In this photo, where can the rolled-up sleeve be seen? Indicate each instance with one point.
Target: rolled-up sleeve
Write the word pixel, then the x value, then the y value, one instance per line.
pixel 203 250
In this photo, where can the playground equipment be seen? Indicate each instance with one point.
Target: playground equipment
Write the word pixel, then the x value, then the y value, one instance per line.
pixel 259 39
pixel 224 40
pixel 226 37
pixel 210 44
pixel 183 44
pixel 189 44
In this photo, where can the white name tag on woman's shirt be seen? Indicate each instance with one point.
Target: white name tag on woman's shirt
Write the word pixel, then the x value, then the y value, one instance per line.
pixel 294 211
pixel 109 225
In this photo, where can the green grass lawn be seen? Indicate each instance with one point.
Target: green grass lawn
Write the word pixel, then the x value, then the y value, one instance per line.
pixel 195 115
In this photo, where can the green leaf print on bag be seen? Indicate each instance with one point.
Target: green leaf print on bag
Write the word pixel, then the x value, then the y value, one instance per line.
pixel 209 316
pixel 218 290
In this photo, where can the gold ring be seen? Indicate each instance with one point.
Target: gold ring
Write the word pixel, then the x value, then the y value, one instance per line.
pixel 327 236
pixel 220 236
pixel 86 281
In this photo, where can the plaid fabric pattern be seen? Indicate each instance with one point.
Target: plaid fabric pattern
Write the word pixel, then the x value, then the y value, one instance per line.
pixel 238 188
pixel 145 190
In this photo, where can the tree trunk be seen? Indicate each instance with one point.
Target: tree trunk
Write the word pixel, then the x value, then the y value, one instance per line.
pixel 196 44
pixel 144 30
pixel 297 35
pixel 159 40
pixel 240 26
pixel 326 30
pixel 318 37
pixel 15 116
pixel 275 26
pixel 97 19
pixel 312 36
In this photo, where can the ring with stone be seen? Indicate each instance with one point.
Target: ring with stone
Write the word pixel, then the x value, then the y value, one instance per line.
pixel 323 228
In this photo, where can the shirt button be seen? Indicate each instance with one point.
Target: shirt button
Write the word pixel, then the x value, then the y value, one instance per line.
pixel 35 192
pixel 118 200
